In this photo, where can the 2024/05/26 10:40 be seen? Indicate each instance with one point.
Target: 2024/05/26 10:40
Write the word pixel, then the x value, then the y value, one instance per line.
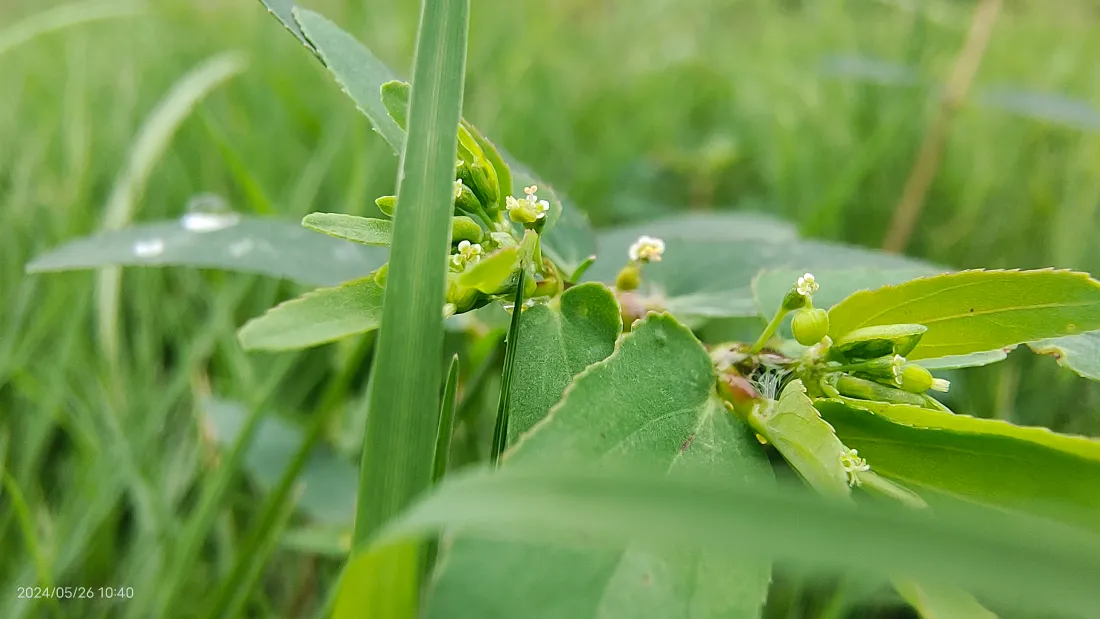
pixel 63 593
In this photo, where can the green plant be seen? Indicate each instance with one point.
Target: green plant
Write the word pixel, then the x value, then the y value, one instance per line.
pixel 845 407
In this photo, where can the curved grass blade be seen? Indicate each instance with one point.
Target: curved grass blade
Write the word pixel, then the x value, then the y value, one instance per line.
pixel 446 422
pixel 248 245
pixel 61 17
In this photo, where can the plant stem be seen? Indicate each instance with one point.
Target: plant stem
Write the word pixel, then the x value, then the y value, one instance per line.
pixel 931 151
pixel 769 330
pixel 500 431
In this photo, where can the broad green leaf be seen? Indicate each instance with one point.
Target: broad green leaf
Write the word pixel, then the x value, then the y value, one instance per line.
pixel 977 311
pixel 328 481
pixel 650 403
pixel 807 443
pixel 357 70
pixel 283 10
pixel 1025 469
pixel 351 227
pixel 558 340
pixel 317 317
pixel 701 279
pixel 1080 353
pixel 937 601
pixel 245 244
pixel 1016 561
pixel 493 271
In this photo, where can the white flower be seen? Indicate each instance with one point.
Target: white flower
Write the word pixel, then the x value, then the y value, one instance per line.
pixel 529 209
pixel 940 384
pixel 897 368
pixel 853 466
pixel 647 249
pixel 806 285
pixel 468 253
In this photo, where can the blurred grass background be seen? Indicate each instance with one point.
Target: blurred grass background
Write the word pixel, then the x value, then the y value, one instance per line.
pixel 812 111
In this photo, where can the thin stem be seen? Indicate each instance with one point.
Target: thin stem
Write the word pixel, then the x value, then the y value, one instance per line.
pixel 769 330
pixel 500 431
pixel 931 151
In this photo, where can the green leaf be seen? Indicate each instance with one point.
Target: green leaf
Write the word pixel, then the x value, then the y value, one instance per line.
pixel 374 585
pixel 559 340
pixel 317 317
pixel 493 271
pixel 1017 561
pixel 361 230
pixel 446 422
pixel 977 311
pixel 937 601
pixel 971 360
pixel 357 70
pixel 395 98
pixel 246 244
pixel 1080 353
pixel 806 442
pixel 700 278
pixel 1025 469
pixel 507 375
pixel 650 403
pixel 283 10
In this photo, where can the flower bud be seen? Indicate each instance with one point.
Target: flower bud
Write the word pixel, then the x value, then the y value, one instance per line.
pixel 466 229
pixel 810 325
pixel 629 278
pixel 386 204
pixel 465 200
pixel 917 379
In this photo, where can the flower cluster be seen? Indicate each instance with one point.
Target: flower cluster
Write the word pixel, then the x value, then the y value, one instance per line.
pixel 853 466
pixel 647 249
pixel 529 209
pixel 468 254
pixel 806 285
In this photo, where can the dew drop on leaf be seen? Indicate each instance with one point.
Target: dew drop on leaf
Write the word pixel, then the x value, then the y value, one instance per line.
pixel 207 212
pixel 150 248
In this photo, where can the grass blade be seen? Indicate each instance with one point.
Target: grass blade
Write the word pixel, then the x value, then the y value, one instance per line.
pixel 61 17
pixel 446 422
pixel 146 151
pixel 500 431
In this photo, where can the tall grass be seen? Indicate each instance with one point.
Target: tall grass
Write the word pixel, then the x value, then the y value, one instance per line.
pixel 632 113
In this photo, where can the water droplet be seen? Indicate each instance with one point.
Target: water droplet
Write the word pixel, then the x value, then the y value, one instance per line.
pixel 207 212
pixel 240 248
pixel 149 248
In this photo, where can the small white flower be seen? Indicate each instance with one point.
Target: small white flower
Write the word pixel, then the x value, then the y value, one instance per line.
pixel 529 209
pixel 806 285
pixel 853 466
pixel 468 254
pixel 647 249
pixel 940 384
pixel 458 189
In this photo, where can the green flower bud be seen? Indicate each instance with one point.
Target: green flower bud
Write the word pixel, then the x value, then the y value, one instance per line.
pixel 794 301
pixel 528 211
pixel 477 172
pixel 465 200
pixel 917 379
pixel 875 342
pixel 629 278
pixel 386 204
pixel 466 229
pixel 810 325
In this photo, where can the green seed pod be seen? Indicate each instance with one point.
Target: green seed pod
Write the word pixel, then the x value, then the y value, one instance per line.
pixel 381 274
pixel 915 379
pixel 629 278
pixel 810 325
pixel 862 389
pixel 880 341
pixel 465 200
pixel 466 229
pixel 386 204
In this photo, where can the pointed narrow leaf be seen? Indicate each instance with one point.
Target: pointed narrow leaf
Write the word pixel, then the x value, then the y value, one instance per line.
pixel 446 422
pixel 1025 469
pixel 376 585
pixel 283 10
pixel 395 98
pixel 358 71
pixel 651 403
pixel 250 245
pixel 977 311
pixel 1080 353
pixel 317 317
pixel 559 340
pixel 361 230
